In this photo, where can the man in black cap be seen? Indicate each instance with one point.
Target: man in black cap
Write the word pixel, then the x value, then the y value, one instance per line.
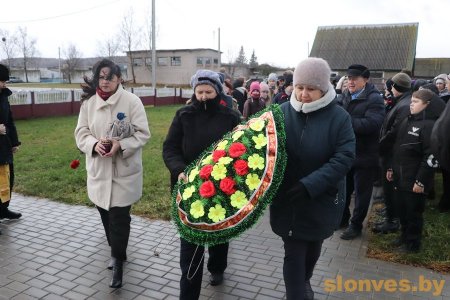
pixel 9 144
pixel 285 90
pixel 366 107
pixel 401 91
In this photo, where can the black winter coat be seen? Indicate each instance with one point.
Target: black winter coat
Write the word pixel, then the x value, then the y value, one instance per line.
pixel 412 157
pixel 320 148
pixel 367 112
pixel 10 140
pixel 394 117
pixel 440 138
pixel 194 128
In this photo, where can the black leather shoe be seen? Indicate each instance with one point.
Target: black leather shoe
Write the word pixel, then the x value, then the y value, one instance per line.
pixel 387 227
pixel 116 281
pixel 8 214
pixel 350 233
pixel 216 279
pixel 309 293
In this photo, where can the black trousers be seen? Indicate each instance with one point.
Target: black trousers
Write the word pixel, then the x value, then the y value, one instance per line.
pixel 359 180
pixel 116 222
pixel 445 199
pixel 300 258
pixel 411 207
pixel 191 263
pixel 389 197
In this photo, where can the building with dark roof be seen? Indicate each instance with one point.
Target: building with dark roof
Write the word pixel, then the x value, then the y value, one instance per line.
pixel 385 49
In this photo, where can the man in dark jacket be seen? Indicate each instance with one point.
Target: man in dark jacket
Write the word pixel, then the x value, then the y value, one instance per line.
pixel 366 107
pixel 401 90
pixel 9 143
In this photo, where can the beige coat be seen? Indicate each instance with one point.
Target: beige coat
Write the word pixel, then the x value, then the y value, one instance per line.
pixel 113 181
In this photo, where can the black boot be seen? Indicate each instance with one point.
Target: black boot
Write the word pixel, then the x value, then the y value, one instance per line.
pixel 116 281
pixel 8 214
pixel 111 263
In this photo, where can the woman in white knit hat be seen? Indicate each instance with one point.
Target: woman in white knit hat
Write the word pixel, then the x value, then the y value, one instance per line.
pixel 320 145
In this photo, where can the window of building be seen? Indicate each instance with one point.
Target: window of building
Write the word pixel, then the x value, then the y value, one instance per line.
pixel 216 61
pixel 207 61
pixel 175 61
pixel 162 61
pixel 148 61
pixel 138 61
pixel 200 61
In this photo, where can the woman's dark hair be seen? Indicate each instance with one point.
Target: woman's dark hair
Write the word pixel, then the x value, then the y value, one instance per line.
pixel 90 86
pixel 424 94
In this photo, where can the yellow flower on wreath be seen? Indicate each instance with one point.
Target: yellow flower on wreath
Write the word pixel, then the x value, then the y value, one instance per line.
pixel 207 160
pixel 222 145
pixel 238 199
pixel 187 193
pixel 237 135
pixel 217 213
pixel 193 173
pixel 224 160
pixel 257 125
pixel 260 141
pixel 197 210
pixel 256 162
pixel 252 181
pixel 219 172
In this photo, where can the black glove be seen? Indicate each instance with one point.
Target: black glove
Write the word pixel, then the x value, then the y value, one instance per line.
pixel 297 191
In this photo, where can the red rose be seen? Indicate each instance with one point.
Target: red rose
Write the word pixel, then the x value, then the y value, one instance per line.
pixel 205 172
pixel 236 150
pixel 218 154
pixel 241 167
pixel 227 186
pixel 207 189
pixel 75 163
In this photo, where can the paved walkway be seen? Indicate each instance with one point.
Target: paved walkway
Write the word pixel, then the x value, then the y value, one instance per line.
pixel 58 251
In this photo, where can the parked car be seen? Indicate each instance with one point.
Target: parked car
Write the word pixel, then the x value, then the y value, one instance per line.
pixel 14 80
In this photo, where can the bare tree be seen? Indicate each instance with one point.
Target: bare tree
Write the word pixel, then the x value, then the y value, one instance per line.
pixel 130 36
pixel 27 48
pixel 71 61
pixel 109 47
pixel 9 45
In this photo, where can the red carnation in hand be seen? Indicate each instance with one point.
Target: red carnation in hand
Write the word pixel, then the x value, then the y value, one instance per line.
pixel 227 186
pixel 236 150
pixel 241 167
pixel 205 172
pixel 217 154
pixel 207 189
pixel 75 163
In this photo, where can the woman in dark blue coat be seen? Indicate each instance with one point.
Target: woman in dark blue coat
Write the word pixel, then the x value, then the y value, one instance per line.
pixel 9 143
pixel 321 148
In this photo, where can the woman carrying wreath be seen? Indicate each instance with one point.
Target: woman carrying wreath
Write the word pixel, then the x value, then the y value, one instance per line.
pixel 194 128
pixel 320 146
pixel 112 129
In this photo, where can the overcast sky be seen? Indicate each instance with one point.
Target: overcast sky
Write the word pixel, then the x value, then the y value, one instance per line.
pixel 279 31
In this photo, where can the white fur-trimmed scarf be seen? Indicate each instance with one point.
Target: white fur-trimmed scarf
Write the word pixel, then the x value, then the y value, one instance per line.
pixel 315 105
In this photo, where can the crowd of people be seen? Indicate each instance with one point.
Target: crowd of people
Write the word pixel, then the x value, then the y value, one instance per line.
pixel 340 140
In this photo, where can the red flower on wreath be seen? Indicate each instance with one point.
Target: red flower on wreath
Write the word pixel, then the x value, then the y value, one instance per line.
pixel 75 163
pixel 205 172
pixel 207 189
pixel 227 185
pixel 241 167
pixel 236 150
pixel 217 154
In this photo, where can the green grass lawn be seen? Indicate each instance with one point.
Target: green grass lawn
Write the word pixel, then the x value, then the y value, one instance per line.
pixel 48 146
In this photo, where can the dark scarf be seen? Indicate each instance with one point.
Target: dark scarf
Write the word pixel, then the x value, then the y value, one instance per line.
pixel 211 105
pixel 104 95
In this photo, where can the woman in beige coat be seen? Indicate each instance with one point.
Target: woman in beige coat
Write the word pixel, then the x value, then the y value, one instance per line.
pixel 112 129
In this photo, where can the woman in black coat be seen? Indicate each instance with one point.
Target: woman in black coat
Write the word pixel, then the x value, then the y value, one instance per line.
pixel 194 128
pixel 9 144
